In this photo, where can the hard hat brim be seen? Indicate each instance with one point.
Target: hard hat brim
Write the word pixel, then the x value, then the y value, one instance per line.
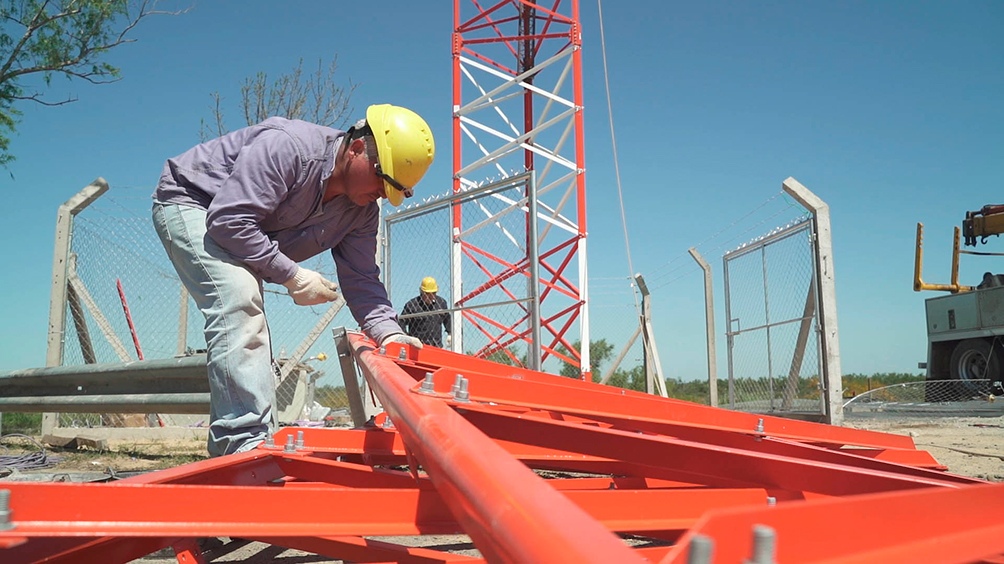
pixel 375 117
pixel 394 196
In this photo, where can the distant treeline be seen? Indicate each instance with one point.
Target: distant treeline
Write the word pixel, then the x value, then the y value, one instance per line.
pixel 747 389
pixel 698 391
pixel 856 384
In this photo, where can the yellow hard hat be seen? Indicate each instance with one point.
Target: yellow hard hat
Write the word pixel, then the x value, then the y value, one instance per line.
pixel 429 285
pixel 405 148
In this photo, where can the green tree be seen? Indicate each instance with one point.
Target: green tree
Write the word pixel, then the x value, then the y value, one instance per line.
pixel 631 379
pixel 697 391
pixel 599 352
pixel 315 97
pixel 59 37
pixel 510 357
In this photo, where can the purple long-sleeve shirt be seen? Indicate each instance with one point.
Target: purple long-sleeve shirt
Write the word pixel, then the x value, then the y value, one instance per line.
pixel 262 188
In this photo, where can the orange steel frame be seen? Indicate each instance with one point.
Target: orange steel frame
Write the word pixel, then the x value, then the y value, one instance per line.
pixel 534 468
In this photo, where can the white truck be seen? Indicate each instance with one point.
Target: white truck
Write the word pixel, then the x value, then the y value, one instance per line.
pixel 965 327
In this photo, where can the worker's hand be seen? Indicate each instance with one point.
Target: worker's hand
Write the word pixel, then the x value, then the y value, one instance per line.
pixel 449 340
pixel 401 338
pixel 307 287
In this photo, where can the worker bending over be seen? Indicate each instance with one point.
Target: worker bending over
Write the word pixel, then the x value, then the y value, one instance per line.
pixel 245 208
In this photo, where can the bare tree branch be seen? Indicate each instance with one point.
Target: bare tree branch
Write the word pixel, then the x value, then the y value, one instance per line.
pixel 35 98
pixel 205 132
pixel 316 97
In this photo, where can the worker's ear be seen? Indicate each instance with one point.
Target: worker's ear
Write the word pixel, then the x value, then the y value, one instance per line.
pixel 357 147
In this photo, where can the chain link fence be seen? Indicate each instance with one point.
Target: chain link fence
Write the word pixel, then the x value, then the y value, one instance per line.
pixel 484 273
pixel 481 268
pixel 773 328
pixel 929 398
pixel 125 302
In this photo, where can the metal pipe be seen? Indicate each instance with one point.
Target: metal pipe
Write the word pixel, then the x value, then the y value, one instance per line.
pixel 160 376
pixel 116 403
pixel 533 256
pixel 729 333
pixel 472 473
pixel 128 317
pixel 357 407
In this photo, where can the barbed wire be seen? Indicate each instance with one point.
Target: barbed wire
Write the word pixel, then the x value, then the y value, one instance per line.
pixel 691 268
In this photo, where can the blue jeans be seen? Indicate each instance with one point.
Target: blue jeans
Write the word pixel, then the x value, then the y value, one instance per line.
pixel 241 380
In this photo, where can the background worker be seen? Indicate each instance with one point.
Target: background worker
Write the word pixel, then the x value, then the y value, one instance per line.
pixel 425 314
pixel 246 207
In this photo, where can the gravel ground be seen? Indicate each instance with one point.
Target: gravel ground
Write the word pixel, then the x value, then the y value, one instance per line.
pixel 970 446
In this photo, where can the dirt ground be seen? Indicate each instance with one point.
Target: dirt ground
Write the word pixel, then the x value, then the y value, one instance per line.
pixel 87 463
pixel 970 446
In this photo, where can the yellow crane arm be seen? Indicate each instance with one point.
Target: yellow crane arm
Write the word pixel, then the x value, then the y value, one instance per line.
pixel 989 220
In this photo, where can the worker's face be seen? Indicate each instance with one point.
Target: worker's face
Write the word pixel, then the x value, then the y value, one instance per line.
pixel 362 185
pixel 428 297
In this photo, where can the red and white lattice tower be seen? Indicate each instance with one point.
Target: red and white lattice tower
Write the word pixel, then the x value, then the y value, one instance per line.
pixel 517 106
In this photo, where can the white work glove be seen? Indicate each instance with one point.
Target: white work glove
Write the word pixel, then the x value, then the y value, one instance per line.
pixel 307 287
pixel 449 340
pixel 401 338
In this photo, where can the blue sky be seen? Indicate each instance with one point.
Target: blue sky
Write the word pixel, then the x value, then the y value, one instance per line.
pixel 889 111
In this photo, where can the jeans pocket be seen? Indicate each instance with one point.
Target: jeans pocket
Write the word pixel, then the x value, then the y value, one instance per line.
pixel 160 222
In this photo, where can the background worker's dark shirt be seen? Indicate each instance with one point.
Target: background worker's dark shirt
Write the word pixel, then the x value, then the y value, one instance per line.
pixel 426 327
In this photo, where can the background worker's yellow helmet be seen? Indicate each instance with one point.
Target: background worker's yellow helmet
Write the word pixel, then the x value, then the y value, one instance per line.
pixel 405 148
pixel 429 285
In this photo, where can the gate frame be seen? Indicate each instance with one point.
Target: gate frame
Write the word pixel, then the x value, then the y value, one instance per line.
pixel 820 301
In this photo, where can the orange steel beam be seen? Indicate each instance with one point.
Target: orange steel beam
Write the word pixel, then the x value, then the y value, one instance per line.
pixel 704 459
pixel 350 442
pixel 662 470
pixel 72 550
pixel 763 444
pixel 603 396
pixel 474 475
pixel 385 447
pixel 388 448
pixel 936 525
pixel 124 510
pixel 536 389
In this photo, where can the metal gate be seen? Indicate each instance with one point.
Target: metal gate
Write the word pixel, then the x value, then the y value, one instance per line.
pixel 774 363
pixel 781 310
